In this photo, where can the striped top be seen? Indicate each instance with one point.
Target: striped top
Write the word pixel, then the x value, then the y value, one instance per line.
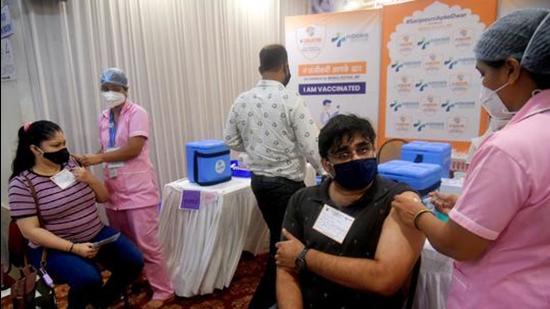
pixel 70 214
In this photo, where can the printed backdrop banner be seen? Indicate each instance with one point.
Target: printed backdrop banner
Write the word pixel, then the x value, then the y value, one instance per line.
pixel 430 86
pixel 334 60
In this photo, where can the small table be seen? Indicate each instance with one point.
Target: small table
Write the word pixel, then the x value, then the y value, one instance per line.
pixel 203 246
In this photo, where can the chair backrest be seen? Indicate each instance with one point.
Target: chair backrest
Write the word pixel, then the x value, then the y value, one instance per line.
pixel 390 150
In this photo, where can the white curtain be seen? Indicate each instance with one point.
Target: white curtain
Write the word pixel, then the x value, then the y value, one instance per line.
pixel 186 62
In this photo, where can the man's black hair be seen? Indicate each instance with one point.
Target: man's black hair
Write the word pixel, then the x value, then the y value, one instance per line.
pixel 272 57
pixel 340 129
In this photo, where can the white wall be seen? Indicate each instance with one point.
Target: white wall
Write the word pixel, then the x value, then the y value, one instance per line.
pixel 507 6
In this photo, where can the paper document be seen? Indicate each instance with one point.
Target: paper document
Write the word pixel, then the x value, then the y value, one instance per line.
pixel 107 240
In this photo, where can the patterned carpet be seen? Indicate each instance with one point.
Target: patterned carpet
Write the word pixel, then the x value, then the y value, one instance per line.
pixel 237 296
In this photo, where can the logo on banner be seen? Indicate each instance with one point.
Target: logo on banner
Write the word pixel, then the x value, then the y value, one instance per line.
pixel 433 42
pixel 457 125
pixel 432 62
pixel 460 82
pixel 396 105
pixel 310 40
pixel 451 63
pixel 463 38
pixel 422 85
pixel 405 44
pixel 448 106
pixel 403 123
pixel 340 38
pixel 430 105
pixel 424 126
pixel 404 84
pixel 398 66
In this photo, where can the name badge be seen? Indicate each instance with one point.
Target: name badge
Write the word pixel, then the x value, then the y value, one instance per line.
pixel 333 223
pixel 63 179
pixel 114 165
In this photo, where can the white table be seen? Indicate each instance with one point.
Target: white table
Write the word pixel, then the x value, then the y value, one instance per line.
pixel 203 246
pixel 434 279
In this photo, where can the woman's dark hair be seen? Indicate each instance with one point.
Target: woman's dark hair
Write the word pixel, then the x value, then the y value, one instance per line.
pixel 495 64
pixel 342 128
pixel 541 80
pixel 33 134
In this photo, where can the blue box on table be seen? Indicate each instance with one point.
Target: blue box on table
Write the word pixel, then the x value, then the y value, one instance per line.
pixel 208 162
pixel 429 152
pixel 239 171
pixel 423 177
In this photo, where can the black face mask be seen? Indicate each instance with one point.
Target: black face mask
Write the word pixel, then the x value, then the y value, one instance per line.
pixel 357 174
pixel 60 157
pixel 287 77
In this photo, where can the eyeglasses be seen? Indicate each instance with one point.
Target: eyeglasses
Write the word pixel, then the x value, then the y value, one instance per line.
pixel 362 151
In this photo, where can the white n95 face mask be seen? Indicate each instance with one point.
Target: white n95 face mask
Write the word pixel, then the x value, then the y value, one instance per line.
pixel 492 103
pixel 113 98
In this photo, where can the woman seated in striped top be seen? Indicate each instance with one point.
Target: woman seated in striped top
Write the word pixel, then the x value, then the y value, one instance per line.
pixel 53 200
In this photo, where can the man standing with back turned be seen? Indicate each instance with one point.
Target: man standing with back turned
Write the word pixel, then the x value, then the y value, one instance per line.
pixel 273 126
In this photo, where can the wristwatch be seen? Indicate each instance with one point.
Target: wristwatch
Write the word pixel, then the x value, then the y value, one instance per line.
pixel 301 261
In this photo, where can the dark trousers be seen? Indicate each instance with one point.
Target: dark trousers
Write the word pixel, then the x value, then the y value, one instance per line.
pixel 272 194
pixel 121 258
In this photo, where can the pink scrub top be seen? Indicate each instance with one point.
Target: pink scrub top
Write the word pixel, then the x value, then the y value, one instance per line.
pixel 133 184
pixel 506 199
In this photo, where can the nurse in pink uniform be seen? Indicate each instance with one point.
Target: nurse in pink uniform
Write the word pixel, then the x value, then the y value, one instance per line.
pixel 499 228
pixel 130 178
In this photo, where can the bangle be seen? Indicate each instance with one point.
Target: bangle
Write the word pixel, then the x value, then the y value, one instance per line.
pixel 71 248
pixel 417 215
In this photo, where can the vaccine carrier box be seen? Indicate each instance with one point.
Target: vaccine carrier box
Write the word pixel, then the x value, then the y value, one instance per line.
pixel 423 177
pixel 208 162
pixel 429 152
pixel 238 171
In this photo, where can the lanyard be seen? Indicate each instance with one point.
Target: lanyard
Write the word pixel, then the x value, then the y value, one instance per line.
pixel 112 130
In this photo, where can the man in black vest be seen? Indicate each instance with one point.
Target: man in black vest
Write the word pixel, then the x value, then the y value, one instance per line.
pixel 344 246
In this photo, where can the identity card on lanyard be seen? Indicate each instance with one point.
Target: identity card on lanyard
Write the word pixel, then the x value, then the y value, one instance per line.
pixel 113 166
pixel 333 223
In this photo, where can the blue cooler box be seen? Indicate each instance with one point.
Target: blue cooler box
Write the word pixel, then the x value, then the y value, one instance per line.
pixel 429 152
pixel 239 171
pixel 423 177
pixel 208 162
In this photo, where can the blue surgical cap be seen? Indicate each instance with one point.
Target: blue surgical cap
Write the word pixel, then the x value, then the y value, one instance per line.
pixel 523 35
pixel 114 76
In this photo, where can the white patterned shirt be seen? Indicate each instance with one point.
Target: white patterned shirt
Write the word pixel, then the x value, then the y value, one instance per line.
pixel 275 129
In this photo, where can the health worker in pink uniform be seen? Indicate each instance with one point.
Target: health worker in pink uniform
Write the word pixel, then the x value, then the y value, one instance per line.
pixel 499 228
pixel 130 178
